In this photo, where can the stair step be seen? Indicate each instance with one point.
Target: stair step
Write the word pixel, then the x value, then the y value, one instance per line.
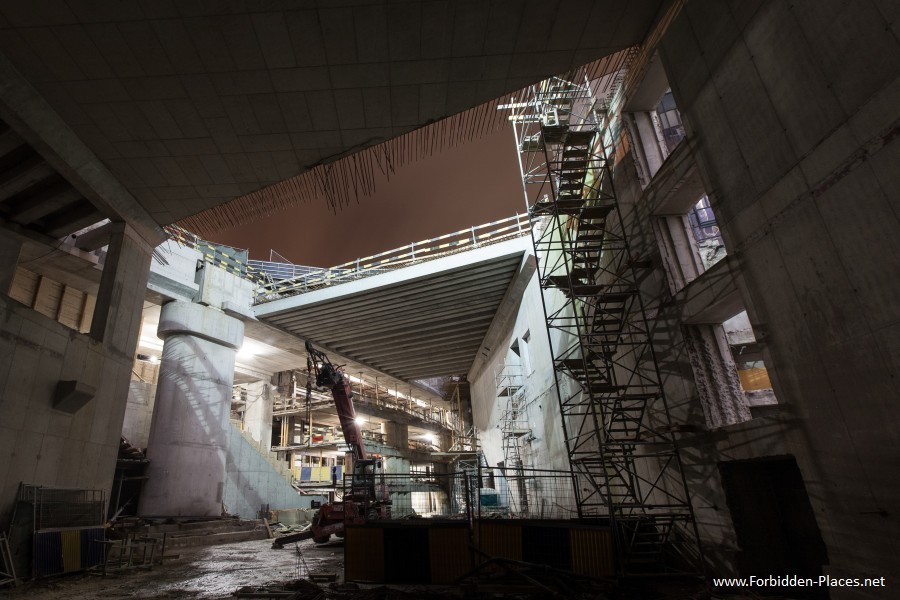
pixel 579 137
pixel 573 162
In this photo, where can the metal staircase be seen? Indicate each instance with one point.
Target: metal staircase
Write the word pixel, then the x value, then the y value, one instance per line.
pixel 622 452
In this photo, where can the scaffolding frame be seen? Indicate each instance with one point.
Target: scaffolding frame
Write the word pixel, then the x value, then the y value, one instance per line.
pixel 622 452
pixel 514 427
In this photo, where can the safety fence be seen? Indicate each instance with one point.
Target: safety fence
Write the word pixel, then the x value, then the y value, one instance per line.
pixel 55 530
pixel 479 493
pixel 275 279
pixel 233 260
pixel 307 279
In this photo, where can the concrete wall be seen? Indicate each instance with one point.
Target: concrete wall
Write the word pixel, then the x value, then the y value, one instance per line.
pixel 547 449
pixel 250 481
pixel 38 443
pixel 139 413
pixel 679 376
pixel 794 110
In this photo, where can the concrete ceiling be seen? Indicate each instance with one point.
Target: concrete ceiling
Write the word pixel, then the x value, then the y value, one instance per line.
pixel 423 321
pixel 34 195
pixel 191 104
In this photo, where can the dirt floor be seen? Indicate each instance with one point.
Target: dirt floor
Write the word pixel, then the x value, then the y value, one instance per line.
pixel 217 572
pixel 207 573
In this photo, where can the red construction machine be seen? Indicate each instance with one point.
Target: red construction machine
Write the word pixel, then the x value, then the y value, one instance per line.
pixel 367 498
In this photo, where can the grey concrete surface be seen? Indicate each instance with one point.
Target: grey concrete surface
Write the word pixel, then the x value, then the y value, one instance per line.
pixel 795 110
pixel 190 430
pixel 9 257
pixel 251 481
pixel 421 321
pixel 191 106
pixel 43 446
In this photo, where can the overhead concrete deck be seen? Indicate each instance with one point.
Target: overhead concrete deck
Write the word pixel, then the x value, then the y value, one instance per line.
pixel 423 321
pixel 192 104
pixel 266 349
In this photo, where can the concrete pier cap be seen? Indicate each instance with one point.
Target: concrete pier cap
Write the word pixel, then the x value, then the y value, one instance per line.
pixel 200 321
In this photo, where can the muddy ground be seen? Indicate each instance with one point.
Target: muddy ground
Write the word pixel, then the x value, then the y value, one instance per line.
pixel 201 573
pixel 216 572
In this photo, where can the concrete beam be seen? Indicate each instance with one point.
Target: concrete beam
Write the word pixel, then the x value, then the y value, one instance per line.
pixel 505 315
pixel 9 258
pixel 268 334
pixel 712 298
pixel 60 262
pixel 95 238
pixel 38 124
pixel 400 276
pixel 117 313
pixel 677 186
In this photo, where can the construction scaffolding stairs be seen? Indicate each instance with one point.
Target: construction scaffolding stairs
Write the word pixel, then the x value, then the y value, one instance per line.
pixel 622 452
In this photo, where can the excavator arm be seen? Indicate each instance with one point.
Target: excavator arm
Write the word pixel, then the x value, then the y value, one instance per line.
pixel 327 375
pixel 368 497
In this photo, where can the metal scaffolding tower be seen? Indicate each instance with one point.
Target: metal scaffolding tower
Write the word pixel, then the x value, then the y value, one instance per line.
pixel 514 428
pixel 514 420
pixel 622 452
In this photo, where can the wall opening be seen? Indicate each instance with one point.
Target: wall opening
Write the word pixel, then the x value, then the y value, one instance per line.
pixel 747 354
pixel 710 247
pixel 668 121
pixel 775 524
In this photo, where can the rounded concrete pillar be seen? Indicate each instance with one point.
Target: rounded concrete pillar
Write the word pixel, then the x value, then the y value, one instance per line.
pixel 395 435
pixel 401 502
pixel 190 428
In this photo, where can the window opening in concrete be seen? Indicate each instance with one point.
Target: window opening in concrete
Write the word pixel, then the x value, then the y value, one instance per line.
pixel 690 243
pixel 729 370
pixel 710 246
pixel 525 354
pixel 748 358
pixel 668 120
pixel 514 348
pixel 652 121
pixel 679 251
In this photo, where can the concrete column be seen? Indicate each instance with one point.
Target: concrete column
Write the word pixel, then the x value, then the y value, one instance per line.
pixel 189 433
pixel 396 465
pixel 395 435
pixel 258 414
pixel 401 502
pixel 715 375
pixel 9 258
pixel 117 312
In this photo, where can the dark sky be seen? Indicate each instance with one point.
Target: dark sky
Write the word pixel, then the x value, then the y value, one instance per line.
pixel 468 185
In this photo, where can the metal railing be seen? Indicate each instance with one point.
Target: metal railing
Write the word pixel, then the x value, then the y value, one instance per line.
pixel 307 279
pixel 276 279
pixel 491 493
pixel 278 271
pixel 63 507
pixel 232 260
pixel 367 394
